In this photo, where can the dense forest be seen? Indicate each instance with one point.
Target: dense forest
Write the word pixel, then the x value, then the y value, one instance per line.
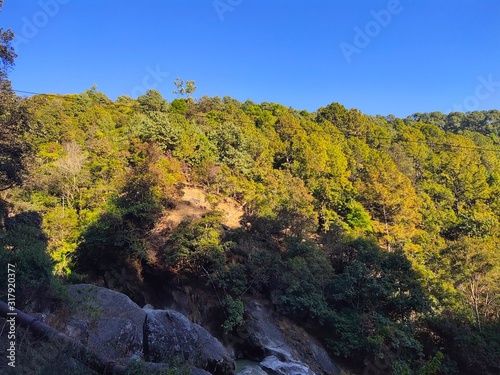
pixel 378 234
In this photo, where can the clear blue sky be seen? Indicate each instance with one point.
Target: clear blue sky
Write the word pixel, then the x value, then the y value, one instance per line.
pixel 429 56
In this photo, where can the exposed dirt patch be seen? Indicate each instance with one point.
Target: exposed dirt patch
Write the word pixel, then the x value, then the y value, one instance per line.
pixel 193 204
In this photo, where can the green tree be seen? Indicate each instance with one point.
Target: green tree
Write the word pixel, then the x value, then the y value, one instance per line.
pixel 375 298
pixel 152 100
pixel 475 267
pixel 14 120
pixel 390 198
pixel 117 238
pixel 7 55
pixel 196 247
pixel 184 88
pixel 231 147
pixel 304 280
pixel 15 150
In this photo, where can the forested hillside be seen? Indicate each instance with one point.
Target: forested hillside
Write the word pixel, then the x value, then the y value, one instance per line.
pixel 378 234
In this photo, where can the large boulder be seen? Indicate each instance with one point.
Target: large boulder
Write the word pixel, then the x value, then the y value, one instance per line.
pixel 171 337
pixel 106 321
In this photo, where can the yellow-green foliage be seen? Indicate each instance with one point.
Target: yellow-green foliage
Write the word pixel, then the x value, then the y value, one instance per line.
pixel 425 188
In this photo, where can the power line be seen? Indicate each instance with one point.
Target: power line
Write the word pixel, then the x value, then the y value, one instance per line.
pixel 29 92
pixel 346 134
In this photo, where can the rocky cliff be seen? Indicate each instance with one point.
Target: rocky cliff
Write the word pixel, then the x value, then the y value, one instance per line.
pixel 110 323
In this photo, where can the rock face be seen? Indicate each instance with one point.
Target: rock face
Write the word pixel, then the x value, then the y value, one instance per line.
pixel 263 332
pixel 321 358
pixel 113 325
pixel 107 321
pixel 282 346
pixel 170 335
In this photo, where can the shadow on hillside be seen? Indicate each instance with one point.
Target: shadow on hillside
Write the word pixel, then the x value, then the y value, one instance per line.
pixel 25 260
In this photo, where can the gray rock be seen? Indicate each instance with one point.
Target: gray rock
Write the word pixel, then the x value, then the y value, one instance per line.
pixel 322 359
pixel 171 337
pixel 286 367
pixel 98 302
pixel 107 321
pixel 252 370
pixel 269 335
pixel 198 371
pixel 264 332
pixel 77 329
pixel 117 337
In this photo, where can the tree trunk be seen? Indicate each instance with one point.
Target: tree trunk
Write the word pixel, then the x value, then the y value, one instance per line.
pixel 475 302
pixel 386 228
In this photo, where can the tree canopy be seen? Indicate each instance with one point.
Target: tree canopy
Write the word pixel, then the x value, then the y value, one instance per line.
pixel 376 233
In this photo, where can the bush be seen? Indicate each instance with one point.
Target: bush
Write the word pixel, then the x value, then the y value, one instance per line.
pixel 196 247
pixel 234 310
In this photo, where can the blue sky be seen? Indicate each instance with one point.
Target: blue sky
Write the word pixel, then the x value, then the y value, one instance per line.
pixel 382 57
